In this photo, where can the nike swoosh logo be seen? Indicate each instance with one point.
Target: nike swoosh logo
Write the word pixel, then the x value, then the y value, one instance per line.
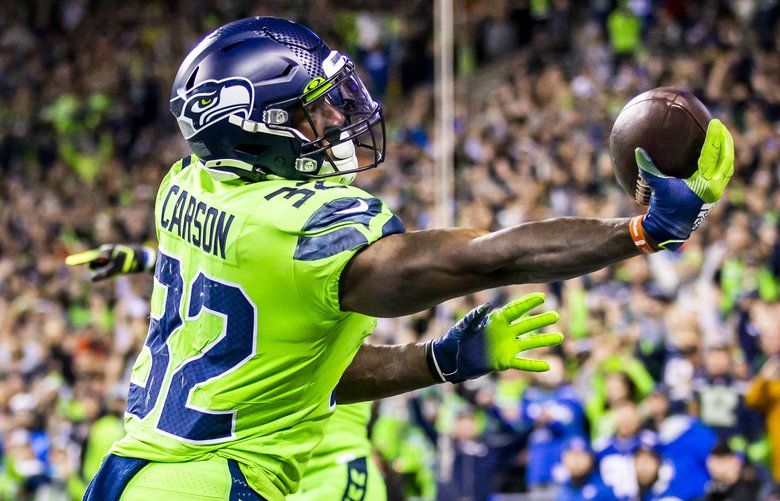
pixel 362 206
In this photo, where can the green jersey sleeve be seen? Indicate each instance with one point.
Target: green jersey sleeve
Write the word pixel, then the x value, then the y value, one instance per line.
pixel 344 220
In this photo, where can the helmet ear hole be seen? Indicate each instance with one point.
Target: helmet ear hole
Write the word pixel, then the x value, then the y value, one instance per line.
pixel 252 149
pixel 191 80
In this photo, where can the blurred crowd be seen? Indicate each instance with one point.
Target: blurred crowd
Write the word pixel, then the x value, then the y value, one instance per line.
pixel 668 385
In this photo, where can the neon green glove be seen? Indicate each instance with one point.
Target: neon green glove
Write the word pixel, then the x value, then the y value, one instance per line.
pixel 678 206
pixel 481 343
pixel 110 260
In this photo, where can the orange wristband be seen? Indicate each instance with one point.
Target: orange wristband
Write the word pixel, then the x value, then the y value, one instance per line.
pixel 638 235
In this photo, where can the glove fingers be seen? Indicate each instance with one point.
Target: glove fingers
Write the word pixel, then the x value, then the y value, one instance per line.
pixel 99 262
pixel 473 317
pixel 541 340
pixel 530 364
pixel 715 164
pixel 534 322
pixel 711 151
pixel 100 274
pixel 83 257
pixel 726 160
pixel 646 165
pixel 520 307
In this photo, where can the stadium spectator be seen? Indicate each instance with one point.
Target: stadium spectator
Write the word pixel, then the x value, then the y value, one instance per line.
pixel 684 444
pixel 404 452
pixel 683 362
pixel 652 476
pixel 552 412
pixel 476 454
pixel 655 408
pixel 579 476
pixel 730 478
pixel 764 392
pixel 618 378
pixel 624 30
pixel 719 397
pixel 615 453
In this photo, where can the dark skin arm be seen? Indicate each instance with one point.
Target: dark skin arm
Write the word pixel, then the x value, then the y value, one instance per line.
pixel 384 371
pixel 405 273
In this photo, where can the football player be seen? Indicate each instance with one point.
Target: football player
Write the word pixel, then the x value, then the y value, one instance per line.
pixel 272 267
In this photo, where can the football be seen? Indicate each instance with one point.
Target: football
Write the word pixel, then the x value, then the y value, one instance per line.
pixel 670 123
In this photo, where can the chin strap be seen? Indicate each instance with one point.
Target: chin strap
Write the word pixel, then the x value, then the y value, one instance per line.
pixel 343 155
pixel 344 159
pixel 230 169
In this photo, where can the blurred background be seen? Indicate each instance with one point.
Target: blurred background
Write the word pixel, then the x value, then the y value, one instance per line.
pixel 668 385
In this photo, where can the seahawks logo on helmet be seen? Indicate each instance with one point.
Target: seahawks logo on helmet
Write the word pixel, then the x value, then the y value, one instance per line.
pixel 212 101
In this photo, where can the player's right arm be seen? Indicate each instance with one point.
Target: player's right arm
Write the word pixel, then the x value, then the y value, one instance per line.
pixel 110 260
pixel 408 272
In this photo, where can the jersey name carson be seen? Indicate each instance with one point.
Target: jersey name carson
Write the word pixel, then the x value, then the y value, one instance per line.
pixel 196 222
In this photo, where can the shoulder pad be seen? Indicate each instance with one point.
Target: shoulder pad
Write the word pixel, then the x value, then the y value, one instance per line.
pixel 348 220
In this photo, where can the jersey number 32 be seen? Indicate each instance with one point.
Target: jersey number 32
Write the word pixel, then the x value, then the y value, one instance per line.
pixel 233 347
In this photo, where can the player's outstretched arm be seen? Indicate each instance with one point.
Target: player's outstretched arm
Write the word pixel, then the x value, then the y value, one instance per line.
pixel 409 272
pixel 481 342
pixel 406 273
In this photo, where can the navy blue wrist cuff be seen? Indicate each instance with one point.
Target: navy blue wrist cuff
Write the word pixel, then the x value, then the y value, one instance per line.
pixel 432 365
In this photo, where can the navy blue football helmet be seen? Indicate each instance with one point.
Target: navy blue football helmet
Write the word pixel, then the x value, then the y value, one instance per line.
pixel 241 92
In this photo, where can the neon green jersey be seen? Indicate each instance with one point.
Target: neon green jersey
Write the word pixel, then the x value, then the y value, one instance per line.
pixel 346 437
pixel 247 341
